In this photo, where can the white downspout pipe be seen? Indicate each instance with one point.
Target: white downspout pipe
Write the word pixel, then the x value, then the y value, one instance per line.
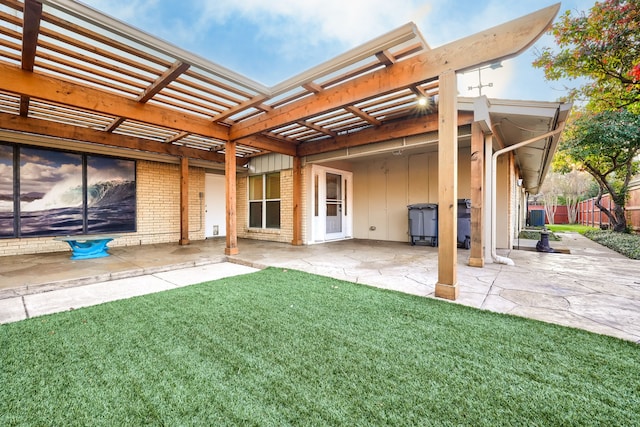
pixel 494 162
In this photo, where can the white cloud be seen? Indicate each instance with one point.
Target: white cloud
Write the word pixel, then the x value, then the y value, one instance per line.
pixel 276 39
pixel 307 23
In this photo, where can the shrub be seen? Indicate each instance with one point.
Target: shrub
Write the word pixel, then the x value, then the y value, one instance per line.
pixel 625 244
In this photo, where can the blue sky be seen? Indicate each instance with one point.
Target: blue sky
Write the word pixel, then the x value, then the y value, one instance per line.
pixel 272 40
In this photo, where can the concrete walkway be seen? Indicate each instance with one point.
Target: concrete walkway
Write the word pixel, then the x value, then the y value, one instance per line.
pixel 591 288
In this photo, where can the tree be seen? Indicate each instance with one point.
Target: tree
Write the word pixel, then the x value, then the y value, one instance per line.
pixel 606 145
pixel 550 191
pixel 573 187
pixel 604 48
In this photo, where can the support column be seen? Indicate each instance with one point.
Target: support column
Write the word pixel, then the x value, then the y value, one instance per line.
pixel 476 256
pixel 297 201
pixel 447 286
pixel 184 201
pixel 488 211
pixel 230 191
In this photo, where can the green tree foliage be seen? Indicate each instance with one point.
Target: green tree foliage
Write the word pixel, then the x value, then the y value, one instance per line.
pixel 604 48
pixel 606 145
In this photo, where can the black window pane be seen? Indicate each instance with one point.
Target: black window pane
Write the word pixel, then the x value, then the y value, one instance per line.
pixel 273 214
pixel 255 214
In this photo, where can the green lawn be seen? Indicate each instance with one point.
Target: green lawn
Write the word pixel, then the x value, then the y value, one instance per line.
pixel 578 228
pixel 282 347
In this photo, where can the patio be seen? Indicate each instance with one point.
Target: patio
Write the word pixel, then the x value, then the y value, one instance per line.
pixel 592 288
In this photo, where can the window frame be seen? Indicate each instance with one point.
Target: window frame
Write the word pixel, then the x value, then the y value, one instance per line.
pixel 265 204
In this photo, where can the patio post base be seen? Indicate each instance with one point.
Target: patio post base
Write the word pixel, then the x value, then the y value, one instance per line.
pixel 476 262
pixel 231 251
pixel 445 291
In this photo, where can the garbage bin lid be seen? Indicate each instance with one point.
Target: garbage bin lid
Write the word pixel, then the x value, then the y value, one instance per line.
pixel 423 206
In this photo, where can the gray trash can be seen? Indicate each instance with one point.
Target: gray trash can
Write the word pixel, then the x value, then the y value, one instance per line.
pixel 464 223
pixel 423 223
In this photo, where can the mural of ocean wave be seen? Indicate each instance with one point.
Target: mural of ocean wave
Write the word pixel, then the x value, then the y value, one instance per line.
pixel 6 224
pixel 111 193
pixel 60 196
pixel 52 222
pixel 111 207
pixel 62 193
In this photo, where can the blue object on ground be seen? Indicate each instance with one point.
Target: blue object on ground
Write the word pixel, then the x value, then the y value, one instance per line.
pixel 87 247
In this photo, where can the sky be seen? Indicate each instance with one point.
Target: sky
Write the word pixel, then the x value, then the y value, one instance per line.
pixel 270 41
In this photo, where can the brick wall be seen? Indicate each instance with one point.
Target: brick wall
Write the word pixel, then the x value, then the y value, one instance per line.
pixel 158 212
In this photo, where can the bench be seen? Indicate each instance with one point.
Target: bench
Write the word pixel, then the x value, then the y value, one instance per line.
pixel 86 247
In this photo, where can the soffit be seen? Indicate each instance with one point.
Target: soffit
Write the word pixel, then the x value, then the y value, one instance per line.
pixel 515 121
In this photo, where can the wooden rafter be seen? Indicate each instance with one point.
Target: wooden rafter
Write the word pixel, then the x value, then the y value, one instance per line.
pixel 364 116
pixel 386 58
pixel 267 144
pixel 62 92
pixel 256 100
pixel 163 81
pixel 399 129
pixel 176 137
pixel 30 31
pixel 485 47
pixel 76 133
pixel 202 102
pixel 312 87
pixel 114 124
pixel 318 129
pixel 160 83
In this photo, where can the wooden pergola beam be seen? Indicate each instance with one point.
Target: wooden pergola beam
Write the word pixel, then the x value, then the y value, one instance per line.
pixel 397 129
pixel 34 85
pixel 60 130
pixel 497 43
pixel 364 116
pixel 172 73
pixel 30 32
pixel 264 143
pixel 253 102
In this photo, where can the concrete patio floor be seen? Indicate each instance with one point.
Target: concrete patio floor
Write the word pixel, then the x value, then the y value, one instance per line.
pixel 591 288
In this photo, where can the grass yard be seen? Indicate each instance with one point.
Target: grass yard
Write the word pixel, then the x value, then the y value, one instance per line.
pixel 577 228
pixel 282 347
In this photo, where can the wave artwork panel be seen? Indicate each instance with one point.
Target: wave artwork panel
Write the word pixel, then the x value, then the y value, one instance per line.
pixel 51 201
pixel 111 195
pixel 6 191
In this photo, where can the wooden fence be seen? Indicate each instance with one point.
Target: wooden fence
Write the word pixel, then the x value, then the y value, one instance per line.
pixel 589 214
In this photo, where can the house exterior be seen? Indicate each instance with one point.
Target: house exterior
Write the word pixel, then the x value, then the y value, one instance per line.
pixel 170 147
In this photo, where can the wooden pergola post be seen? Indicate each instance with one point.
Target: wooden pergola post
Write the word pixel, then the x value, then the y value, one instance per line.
pixel 447 286
pixel 230 187
pixel 184 201
pixel 476 256
pixel 297 201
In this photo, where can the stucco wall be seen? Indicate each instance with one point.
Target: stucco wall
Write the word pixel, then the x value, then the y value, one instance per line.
pixel 383 188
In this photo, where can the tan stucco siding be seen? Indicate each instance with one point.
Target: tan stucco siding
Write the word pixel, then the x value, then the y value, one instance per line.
pixel 384 187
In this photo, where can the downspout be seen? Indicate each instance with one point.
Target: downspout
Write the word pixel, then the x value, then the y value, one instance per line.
pixel 494 162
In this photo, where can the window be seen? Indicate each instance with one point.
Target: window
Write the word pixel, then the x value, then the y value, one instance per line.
pixel 47 192
pixel 264 201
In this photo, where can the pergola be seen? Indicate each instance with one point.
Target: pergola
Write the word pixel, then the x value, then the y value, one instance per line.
pixel 72 73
